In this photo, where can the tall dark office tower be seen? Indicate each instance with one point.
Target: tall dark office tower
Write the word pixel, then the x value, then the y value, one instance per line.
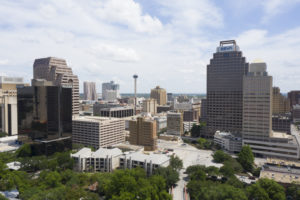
pixel 45 117
pixel 225 89
pixel 59 73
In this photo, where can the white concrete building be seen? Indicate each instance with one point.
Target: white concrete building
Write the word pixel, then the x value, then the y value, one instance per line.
pixel 98 131
pixel 102 160
pixel 161 122
pixel 187 126
pixel 148 162
pixel 228 142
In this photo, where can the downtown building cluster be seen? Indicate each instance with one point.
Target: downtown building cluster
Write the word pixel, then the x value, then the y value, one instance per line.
pixel 240 102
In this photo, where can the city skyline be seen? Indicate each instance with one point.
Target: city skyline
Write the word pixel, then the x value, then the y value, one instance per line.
pixel 165 43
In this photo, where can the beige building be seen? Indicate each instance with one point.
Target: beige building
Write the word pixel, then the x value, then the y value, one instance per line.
pixel 143 132
pixel 57 71
pixel 150 106
pixel 257 103
pixel 8 104
pixel 174 123
pixel 281 104
pixel 98 131
pixel 160 95
pixel 257 117
pixel 89 90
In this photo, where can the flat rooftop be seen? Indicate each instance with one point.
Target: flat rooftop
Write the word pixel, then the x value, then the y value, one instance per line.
pixel 100 153
pixel 154 158
pixel 95 119
pixel 281 177
pixel 283 162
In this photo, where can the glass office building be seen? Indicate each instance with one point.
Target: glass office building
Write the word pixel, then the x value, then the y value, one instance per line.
pixel 45 117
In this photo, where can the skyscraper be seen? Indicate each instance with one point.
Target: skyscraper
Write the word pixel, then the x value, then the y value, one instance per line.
pixel 257 103
pixel 294 97
pixel 8 104
pixel 110 91
pixel 281 104
pixel 56 70
pixel 225 89
pixel 89 89
pixel 257 117
pixel 45 116
pixel 160 95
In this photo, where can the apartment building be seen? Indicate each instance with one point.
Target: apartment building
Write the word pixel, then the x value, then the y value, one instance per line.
pixel 98 131
pixel 143 132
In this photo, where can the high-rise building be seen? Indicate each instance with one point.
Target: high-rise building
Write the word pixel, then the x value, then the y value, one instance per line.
pixel 56 70
pixel 98 131
pixel 294 97
pixel 89 89
pixel 160 95
pixel 174 123
pixel 281 104
pixel 225 89
pixel 8 104
pixel 143 132
pixel 257 104
pixel 110 91
pixel 257 117
pixel 150 106
pixel 170 96
pixel 45 116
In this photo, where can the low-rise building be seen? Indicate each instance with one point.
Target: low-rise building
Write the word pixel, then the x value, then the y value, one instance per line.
pixel 296 113
pixel 282 171
pixel 187 126
pixel 165 108
pixel 282 123
pixel 102 160
pixel 149 162
pixel 98 131
pixel 228 142
pixel 112 110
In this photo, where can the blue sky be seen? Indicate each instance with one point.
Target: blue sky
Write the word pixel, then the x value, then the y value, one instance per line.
pixel 166 42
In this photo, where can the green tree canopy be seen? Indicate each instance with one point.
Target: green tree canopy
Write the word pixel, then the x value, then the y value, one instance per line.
pixel 220 156
pixel 246 158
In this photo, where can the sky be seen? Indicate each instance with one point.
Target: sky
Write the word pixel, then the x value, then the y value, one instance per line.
pixel 166 42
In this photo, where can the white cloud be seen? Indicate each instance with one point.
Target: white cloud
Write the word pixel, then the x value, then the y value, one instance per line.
pixel 278 51
pixel 129 13
pixel 275 7
pixel 192 14
pixel 115 53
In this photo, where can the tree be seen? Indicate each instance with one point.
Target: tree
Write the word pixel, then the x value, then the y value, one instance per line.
pixel 246 158
pixel 176 163
pixel 256 192
pixel 198 175
pixel 273 189
pixel 220 156
pixel 169 174
pixel 195 130
pixel 24 151
pixel 3 197
pixel 227 170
